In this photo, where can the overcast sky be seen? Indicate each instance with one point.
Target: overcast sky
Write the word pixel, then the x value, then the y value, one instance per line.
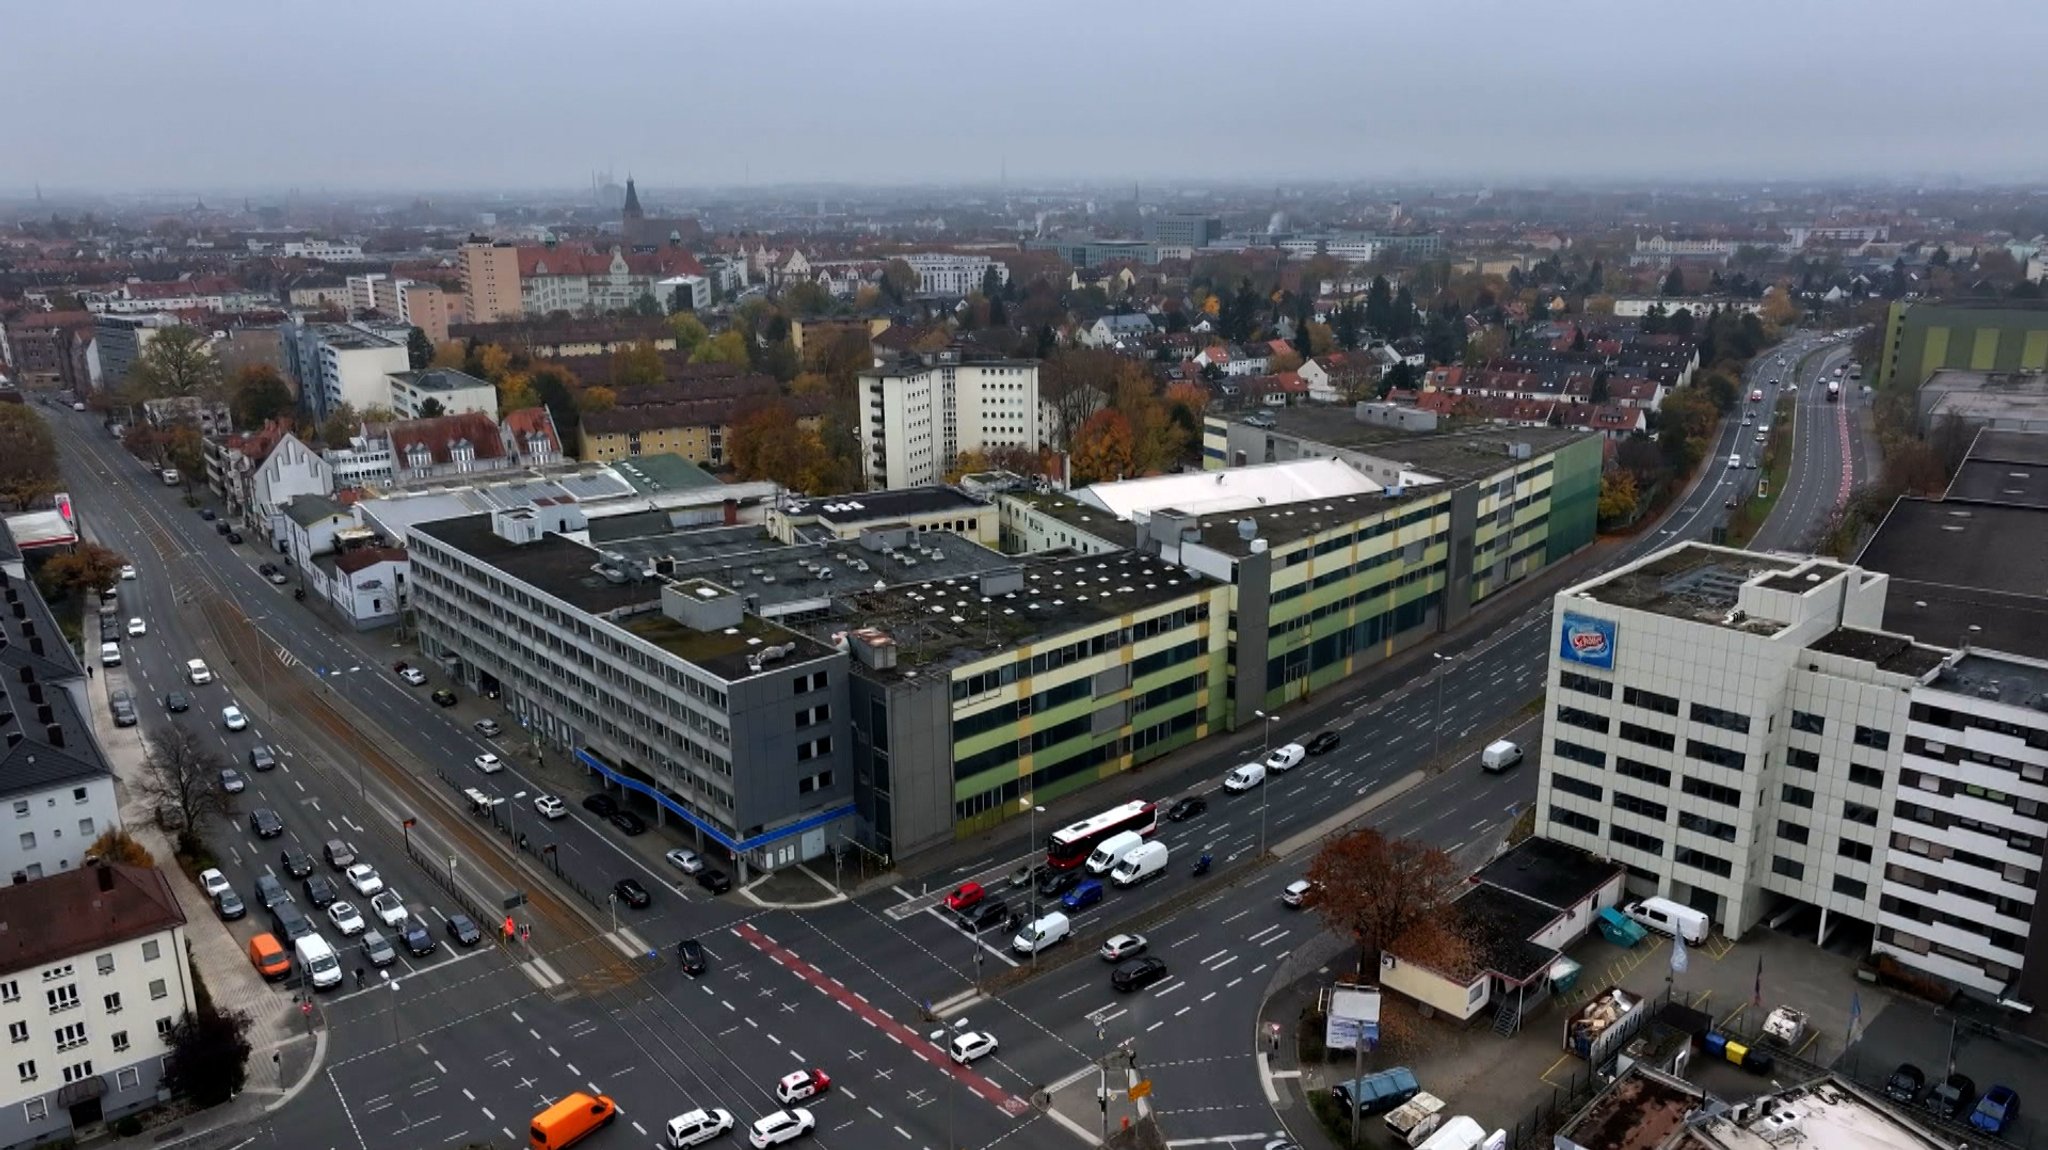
pixel 518 94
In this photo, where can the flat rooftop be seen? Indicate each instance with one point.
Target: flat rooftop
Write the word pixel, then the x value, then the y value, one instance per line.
pixel 1640 1111
pixel 1230 490
pixel 722 652
pixel 1985 396
pixel 1896 654
pixel 2009 467
pixel 885 506
pixel 1965 572
pixel 1825 1114
pixel 653 474
pixel 1499 923
pixel 1083 517
pixel 781 579
pixel 1550 872
pixel 1990 675
pixel 942 623
pixel 1458 452
pixel 1692 581
pixel 443 379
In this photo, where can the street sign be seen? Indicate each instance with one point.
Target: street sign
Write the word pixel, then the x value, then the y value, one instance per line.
pixel 1139 1090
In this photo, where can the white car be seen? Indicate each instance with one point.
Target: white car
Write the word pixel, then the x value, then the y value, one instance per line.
pixel 551 806
pixel 972 1045
pixel 696 1127
pixel 413 675
pixel 489 763
pixel 345 919
pixel 127 570
pixel 781 1126
pixel 1123 946
pixel 212 881
pixel 798 1085
pixel 1297 892
pixel 233 719
pixel 364 878
pixel 389 908
pixel 689 862
pixel 137 628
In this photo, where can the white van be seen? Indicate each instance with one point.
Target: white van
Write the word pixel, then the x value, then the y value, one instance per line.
pixel 1244 778
pixel 1038 935
pixel 318 962
pixel 1499 756
pixel 1460 1133
pixel 195 670
pixel 1140 864
pixel 1735 459
pixel 1112 851
pixel 1286 757
pixel 171 478
pixel 1667 917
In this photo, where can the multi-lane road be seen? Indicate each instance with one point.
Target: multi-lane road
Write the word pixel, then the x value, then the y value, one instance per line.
pixel 468 1043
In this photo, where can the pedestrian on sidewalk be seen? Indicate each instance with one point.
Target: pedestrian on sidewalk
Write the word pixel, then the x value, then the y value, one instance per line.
pixel 359 978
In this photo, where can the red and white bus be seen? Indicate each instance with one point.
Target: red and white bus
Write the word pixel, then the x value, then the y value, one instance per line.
pixel 1071 845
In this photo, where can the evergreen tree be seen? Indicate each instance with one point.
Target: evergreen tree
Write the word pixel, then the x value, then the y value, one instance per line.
pixel 1379 307
pixel 1404 319
pixel 1347 327
pixel 1674 283
pixel 419 350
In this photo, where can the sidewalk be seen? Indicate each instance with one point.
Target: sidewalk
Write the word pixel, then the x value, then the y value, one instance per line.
pixel 283 1055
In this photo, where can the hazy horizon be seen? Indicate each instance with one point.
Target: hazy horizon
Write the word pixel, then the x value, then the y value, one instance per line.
pixel 477 98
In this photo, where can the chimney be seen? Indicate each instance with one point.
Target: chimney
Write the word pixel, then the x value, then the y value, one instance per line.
pixel 54 735
pixel 35 692
pixel 14 737
pixel 44 714
pixel 35 642
pixel 106 877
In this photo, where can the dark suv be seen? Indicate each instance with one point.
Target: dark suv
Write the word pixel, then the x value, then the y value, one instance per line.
pixel 602 805
pixel 418 939
pixel 265 823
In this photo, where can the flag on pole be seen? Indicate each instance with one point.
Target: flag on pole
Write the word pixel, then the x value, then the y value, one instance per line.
pixel 1678 959
pixel 1758 997
pixel 1855 1018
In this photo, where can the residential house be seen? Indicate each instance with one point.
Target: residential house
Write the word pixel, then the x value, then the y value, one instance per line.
pixel 366 584
pixel 211 418
pixel 691 418
pixel 1339 376
pixel 53 775
pixel 1282 390
pixel 1125 330
pixel 552 338
pixel 49 351
pixel 101 950
pixel 452 392
pixel 583 282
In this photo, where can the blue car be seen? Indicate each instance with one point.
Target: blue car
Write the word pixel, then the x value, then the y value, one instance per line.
pixel 1087 894
pixel 1996 1111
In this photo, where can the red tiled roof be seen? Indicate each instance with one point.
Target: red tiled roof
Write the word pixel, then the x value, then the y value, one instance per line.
pixel 576 261
pixel 530 422
pixel 440 432
pixel 68 913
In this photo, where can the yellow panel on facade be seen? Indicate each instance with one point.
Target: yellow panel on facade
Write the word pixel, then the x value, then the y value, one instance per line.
pixel 1933 353
pixel 1984 349
pixel 2034 353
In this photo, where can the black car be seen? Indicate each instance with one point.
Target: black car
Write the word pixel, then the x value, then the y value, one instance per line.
pixel 629 822
pixel 262 758
pixel 266 569
pixel 989 912
pixel 444 697
pixel 320 890
pixel 1905 1084
pixel 1952 1097
pixel 464 930
pixel 632 893
pixel 177 703
pixel 690 953
pixel 418 939
pixel 1324 743
pixel 714 880
pixel 207 514
pixel 229 905
pixel 1138 973
pixel 265 823
pixel 1059 883
pixel 602 805
pixel 296 863
pixel 1184 809
pixel 222 527
pixel 234 537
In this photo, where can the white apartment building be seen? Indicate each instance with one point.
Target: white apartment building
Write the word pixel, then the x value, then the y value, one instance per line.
pixel 1738 731
pixel 323 251
pixel 455 391
pixel 919 416
pixel 91 985
pixel 944 273
pixel 345 363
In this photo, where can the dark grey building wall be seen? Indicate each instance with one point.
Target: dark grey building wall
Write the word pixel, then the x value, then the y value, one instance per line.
pixel 1457 600
pixel 1254 635
pixel 903 761
pixel 763 710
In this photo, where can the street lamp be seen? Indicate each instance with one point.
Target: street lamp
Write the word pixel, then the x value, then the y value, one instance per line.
pixel 1436 726
pixel 1031 897
pixel 1265 749
pixel 512 819
pixel 613 899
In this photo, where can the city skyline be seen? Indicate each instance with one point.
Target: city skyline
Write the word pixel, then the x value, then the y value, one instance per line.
pixel 1746 93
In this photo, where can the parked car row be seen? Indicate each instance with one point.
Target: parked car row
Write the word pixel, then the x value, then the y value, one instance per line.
pixel 1993 1113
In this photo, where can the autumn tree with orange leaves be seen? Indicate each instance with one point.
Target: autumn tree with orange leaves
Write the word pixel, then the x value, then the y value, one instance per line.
pixel 1391 893
pixel 1104 448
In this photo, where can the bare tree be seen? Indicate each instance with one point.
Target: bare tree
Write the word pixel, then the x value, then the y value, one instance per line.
pixel 181 779
pixel 1381 891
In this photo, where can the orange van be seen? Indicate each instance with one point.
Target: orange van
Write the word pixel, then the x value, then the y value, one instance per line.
pixel 269 959
pixel 571 1120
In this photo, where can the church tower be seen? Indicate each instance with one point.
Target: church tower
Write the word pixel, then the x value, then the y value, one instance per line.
pixel 632 211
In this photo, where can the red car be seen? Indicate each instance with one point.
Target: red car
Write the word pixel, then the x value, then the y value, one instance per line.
pixel 968 894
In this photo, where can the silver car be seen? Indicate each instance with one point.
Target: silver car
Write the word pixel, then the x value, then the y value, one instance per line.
pixel 377 950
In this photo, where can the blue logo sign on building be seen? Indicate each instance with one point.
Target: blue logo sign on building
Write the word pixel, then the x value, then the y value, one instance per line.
pixel 1587 641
